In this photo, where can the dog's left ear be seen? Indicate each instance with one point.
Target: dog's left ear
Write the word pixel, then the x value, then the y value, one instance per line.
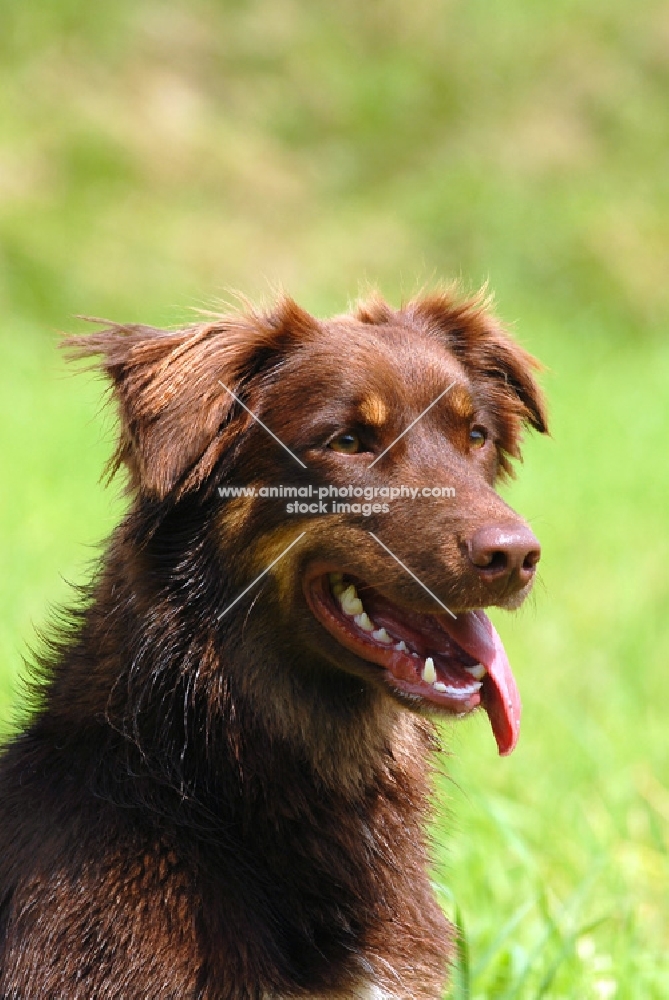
pixel 174 390
pixel 503 369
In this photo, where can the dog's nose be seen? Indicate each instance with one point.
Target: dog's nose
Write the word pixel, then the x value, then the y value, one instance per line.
pixel 504 550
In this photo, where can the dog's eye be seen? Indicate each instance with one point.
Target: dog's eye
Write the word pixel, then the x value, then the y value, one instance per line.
pixel 348 443
pixel 478 437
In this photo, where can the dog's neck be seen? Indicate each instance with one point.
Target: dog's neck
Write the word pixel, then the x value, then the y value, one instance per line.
pixel 306 823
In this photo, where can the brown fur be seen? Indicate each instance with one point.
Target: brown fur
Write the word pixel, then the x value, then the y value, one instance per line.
pixel 224 808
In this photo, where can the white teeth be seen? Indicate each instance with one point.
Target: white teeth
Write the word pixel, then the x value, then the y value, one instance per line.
pixel 401 646
pixel 478 671
pixel 381 635
pixel 429 673
pixel 363 621
pixel 350 602
pixel 457 692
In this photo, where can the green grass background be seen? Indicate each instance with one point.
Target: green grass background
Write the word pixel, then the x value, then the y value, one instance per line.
pixel 155 156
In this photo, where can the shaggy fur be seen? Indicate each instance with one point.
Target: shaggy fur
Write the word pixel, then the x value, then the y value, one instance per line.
pixel 229 807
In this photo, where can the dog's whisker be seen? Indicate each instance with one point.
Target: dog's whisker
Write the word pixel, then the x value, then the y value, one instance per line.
pixel 251 607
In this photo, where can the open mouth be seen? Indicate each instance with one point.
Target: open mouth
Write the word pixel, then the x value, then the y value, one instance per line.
pixel 451 665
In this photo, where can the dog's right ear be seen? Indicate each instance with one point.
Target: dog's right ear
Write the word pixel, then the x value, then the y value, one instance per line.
pixel 493 360
pixel 174 390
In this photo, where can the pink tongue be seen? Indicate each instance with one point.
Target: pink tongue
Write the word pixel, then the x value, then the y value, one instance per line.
pixel 476 634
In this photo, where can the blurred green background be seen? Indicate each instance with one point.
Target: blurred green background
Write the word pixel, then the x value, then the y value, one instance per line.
pixel 155 156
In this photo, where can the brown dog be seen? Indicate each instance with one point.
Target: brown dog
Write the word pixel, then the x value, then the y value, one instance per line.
pixel 224 788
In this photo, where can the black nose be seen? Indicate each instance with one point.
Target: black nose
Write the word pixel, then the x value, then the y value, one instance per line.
pixel 504 550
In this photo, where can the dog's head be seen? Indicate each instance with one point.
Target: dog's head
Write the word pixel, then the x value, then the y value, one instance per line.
pixel 375 537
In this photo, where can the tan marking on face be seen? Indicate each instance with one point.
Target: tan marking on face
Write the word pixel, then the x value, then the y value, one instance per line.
pixel 273 546
pixel 235 514
pixel 374 411
pixel 460 402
